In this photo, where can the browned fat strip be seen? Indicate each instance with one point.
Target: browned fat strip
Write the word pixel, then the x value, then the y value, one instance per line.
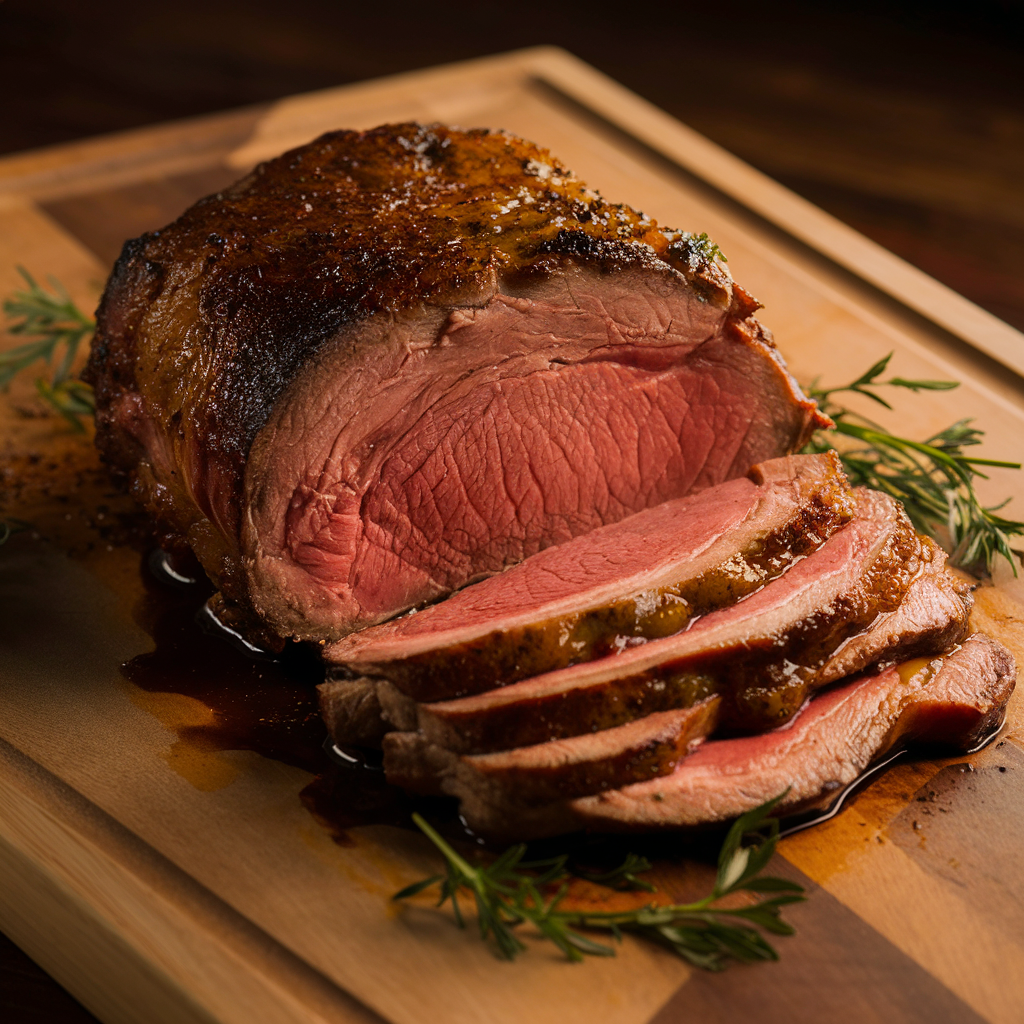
pixel 955 700
pixel 643 577
pixel 761 654
pixel 559 770
pixel 932 616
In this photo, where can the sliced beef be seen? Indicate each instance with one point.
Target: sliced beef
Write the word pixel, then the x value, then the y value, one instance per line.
pixel 832 613
pixel 393 362
pixel 640 578
pixel 352 713
pixel 954 701
pixel 559 770
pixel 932 617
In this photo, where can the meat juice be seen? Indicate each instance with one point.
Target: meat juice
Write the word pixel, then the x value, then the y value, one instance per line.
pixel 258 701
pixel 267 704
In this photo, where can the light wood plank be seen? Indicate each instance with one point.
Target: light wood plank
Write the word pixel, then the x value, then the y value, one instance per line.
pixel 94 906
pixel 190 875
pixel 779 206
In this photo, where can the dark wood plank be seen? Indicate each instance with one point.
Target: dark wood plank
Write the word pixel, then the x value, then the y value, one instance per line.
pixel 836 968
pixel 965 826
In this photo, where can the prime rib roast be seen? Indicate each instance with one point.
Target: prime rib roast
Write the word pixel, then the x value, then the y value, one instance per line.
pixel 523 463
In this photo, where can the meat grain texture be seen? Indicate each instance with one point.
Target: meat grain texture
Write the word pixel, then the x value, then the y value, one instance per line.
pixel 392 364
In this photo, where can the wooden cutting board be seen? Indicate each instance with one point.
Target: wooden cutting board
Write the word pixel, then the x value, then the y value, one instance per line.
pixel 162 879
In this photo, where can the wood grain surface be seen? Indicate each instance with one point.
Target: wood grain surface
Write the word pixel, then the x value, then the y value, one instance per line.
pixel 160 879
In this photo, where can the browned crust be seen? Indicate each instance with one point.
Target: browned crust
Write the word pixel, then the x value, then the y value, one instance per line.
pixel 517 779
pixel 210 318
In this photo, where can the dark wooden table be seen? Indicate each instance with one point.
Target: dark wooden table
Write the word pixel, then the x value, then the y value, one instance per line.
pixel 906 120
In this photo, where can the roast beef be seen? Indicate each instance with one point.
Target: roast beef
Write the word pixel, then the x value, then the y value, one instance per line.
pixel 840 609
pixel 640 578
pixel 952 701
pixel 561 769
pixel 393 362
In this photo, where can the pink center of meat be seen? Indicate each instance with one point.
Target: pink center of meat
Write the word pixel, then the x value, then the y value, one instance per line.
pixel 422 454
pixel 482 482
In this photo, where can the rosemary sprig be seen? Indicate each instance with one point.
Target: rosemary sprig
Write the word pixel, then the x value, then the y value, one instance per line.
pixel 58 328
pixel 934 479
pixel 511 892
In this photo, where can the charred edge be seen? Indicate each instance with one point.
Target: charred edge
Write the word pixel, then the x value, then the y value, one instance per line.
pixel 636 763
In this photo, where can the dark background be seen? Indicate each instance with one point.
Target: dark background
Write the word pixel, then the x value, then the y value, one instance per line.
pixel 906 120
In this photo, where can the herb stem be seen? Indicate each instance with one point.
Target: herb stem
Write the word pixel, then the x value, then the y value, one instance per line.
pixel 934 479
pixel 509 892
pixel 450 855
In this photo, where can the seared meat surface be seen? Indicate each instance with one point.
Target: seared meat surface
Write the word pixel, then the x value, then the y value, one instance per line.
pixel 392 362
pixel 560 769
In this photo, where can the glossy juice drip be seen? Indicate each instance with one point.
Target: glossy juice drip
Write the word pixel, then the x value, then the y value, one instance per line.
pixel 267 706
pixel 259 702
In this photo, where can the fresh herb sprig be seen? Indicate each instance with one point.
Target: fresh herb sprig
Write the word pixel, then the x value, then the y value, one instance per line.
pixel 700 250
pixel 512 891
pixel 58 328
pixel 934 479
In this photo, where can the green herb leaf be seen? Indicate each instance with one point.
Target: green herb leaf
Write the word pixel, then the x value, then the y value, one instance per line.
pixel 700 250
pixel 58 328
pixel 511 892
pixel 934 479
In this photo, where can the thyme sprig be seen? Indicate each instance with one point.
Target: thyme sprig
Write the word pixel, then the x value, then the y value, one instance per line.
pixel 58 328
pixel 934 479
pixel 512 891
